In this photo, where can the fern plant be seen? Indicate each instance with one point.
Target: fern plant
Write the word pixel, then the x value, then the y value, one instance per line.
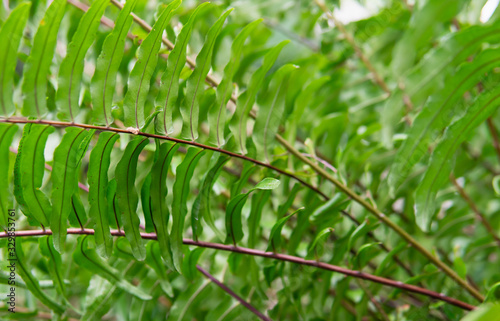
pixel 264 179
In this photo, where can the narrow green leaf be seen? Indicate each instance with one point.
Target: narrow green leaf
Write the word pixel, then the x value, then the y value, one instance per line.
pixel 184 173
pixel 189 269
pixel 169 89
pixel 234 228
pixel 196 82
pixel 485 312
pixel 18 190
pixel 7 132
pixel 71 68
pixel 258 202
pixel 271 112
pixel 98 185
pixel 275 237
pixel 64 183
pixel 32 167
pixel 77 215
pixel 389 258
pixel 101 296
pixel 10 38
pixel 216 165
pixel 217 112
pixel 493 294
pixel 114 217
pixel 329 209
pixel 146 204
pixel 88 259
pixel 365 254
pixel 126 194
pixel 153 259
pixel 442 159
pixel 54 263
pixel 437 114
pixel 316 247
pixel 158 191
pixel 140 76
pixel 238 123
pixel 103 82
pixel 361 231
pixel 32 282
pixel 37 67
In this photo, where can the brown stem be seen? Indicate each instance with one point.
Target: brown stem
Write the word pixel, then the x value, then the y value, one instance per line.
pixel 481 217
pixel 234 295
pixel 275 256
pixel 180 141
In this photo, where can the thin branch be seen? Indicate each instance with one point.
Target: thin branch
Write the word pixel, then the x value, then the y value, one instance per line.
pixel 180 141
pixel 275 256
pixel 384 219
pixel 234 295
pixel 481 217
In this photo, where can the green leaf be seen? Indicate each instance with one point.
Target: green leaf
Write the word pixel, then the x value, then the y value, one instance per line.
pixel 365 253
pixel 424 78
pixel 189 269
pixel 153 259
pixel 315 249
pixel 258 202
pixel 64 183
pixel 140 76
pixel 114 217
pixel 493 294
pixel 329 209
pixel 360 231
pixel 234 228
pixel 77 216
pixel 54 262
pixel 216 165
pixel 98 185
pixel 37 67
pixel 10 37
pixel 18 190
pixel 437 114
pixel 32 282
pixel 217 112
pixel 126 194
pixel 88 259
pixel 103 82
pixel 442 159
pixel 485 312
pixel 71 68
pixel 32 166
pixel 238 123
pixel 7 132
pixel 275 238
pixel 158 192
pixel 271 112
pixel 169 89
pixel 184 173
pixel 101 296
pixel 191 107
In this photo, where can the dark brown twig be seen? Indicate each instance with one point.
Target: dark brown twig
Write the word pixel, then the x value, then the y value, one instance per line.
pixel 275 256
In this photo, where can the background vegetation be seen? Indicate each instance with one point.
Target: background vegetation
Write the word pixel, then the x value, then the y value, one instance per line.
pixel 270 161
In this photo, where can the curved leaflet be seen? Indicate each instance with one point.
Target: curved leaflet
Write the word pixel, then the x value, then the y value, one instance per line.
pixel 184 173
pixel 442 160
pixel 10 37
pixel 169 89
pixel 103 82
pixel 126 195
pixel 71 69
pixel 32 170
pixel 238 123
pixel 437 114
pixel 98 187
pixel 7 132
pixel 64 182
pixel 158 192
pixel 140 76
pixel 217 112
pixel 234 229
pixel 37 67
pixel 191 107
